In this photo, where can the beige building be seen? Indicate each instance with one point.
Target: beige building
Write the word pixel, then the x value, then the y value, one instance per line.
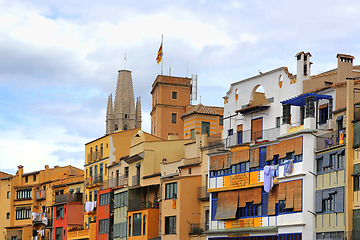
pixel 5 201
pixel 31 200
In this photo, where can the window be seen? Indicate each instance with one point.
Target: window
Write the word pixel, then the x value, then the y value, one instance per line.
pixel 192 133
pixel 90 171
pixel 221 120
pixel 7 215
pixel 125 115
pixel 230 132
pixel 356 183
pixel 170 225
pixel 59 212
pixel 171 190
pixel 95 195
pixel 278 122
pixel 328 205
pixel 205 128
pixel 137 224
pixel 323 114
pixel 90 196
pixel 34 178
pixel 8 195
pixel 174 95
pixel 59 233
pixel 26 178
pixel 23 193
pixel 77 190
pixel 104 199
pixel 144 225
pixel 250 210
pixel 23 213
pixel 129 226
pixel 103 226
pixel 173 118
pixel 214 201
pixel 126 172
pixel 101 169
pixel 120 199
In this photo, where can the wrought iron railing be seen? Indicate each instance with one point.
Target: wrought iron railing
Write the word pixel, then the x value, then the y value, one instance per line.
pixel 93 180
pixel 95 155
pixel 69 197
pixel 330 139
pixel 198 228
pixel 115 182
pixel 135 180
pixel 139 203
pixel 40 195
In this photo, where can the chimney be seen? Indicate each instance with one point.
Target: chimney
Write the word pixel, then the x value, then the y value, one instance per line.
pixel 345 66
pixel 303 66
pixel 20 170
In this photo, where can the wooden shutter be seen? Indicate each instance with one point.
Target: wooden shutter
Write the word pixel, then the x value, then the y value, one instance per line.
pixel 276 149
pixel 227 162
pixel 239 156
pixel 282 191
pixel 217 162
pixel 239 127
pixel 242 197
pixel 290 145
pixel 256 129
pixel 297 195
pixel 270 152
pixel 250 195
pixel 257 195
pixel 282 149
pixel 289 194
pixel 227 205
pixel 298 145
pixel 271 201
pixel 244 156
pixel 254 157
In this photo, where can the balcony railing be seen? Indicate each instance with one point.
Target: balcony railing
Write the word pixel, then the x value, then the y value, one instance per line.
pixel 41 195
pixel 95 155
pixel 69 197
pixel 138 203
pixel 203 195
pixel 115 182
pixel 135 180
pixel 38 218
pixel 198 228
pixel 93 180
pixel 79 234
pixel 330 139
pixel 250 135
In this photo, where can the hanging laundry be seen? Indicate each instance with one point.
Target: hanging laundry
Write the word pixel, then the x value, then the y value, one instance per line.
pixel 268 179
pixel 45 221
pixel 288 166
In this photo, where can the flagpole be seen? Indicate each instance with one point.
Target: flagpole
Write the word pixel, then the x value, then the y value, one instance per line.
pixel 162 58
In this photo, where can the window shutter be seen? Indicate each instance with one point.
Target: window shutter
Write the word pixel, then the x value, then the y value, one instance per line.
pixel 297 195
pixel 254 158
pixel 282 149
pixel 242 197
pixel 270 152
pixel 227 205
pixel 290 194
pixel 282 191
pixel 318 201
pixel 227 162
pixel 290 145
pixel 298 145
pixel 239 156
pixel 339 204
pixel 257 195
pixel 326 160
pixel 356 169
pixel 272 199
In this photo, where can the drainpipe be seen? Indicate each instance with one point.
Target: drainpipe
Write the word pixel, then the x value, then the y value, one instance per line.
pixel 349 159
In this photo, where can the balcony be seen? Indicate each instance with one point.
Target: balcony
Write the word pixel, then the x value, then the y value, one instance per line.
pixel 135 180
pixel 79 234
pixel 250 136
pixel 39 219
pixel 93 180
pixel 75 197
pixel 40 195
pixel 203 195
pixel 328 140
pixel 116 182
pixel 198 228
pixel 92 156
pixel 139 203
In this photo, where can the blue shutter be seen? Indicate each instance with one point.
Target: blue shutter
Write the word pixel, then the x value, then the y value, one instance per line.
pixel 339 204
pixel 318 201
pixel 326 160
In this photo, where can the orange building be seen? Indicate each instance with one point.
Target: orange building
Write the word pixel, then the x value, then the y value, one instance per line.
pixel 202 119
pixel 170 96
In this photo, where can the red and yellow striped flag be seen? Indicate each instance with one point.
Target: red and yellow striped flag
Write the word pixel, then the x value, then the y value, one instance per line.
pixel 160 54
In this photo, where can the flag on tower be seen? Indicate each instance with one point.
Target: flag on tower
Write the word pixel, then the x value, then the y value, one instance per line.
pixel 160 54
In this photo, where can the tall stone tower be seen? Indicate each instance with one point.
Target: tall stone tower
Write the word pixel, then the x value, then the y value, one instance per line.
pixel 122 113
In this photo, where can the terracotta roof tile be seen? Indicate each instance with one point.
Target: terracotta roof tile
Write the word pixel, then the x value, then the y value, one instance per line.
pixel 200 109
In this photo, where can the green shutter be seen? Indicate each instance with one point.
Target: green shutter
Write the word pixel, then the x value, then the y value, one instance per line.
pixel 356 169
pixel 356 142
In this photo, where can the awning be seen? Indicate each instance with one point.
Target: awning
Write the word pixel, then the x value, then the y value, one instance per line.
pixel 301 99
pixel 227 205
pixel 339 118
pixel 252 109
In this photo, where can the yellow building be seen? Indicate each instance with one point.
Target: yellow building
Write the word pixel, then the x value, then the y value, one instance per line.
pixel 31 200
pixel 5 201
pixel 99 154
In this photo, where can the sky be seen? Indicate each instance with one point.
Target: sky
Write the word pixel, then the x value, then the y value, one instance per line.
pixel 59 60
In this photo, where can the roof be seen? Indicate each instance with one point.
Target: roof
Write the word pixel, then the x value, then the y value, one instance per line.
pixel 200 109
pixel 300 100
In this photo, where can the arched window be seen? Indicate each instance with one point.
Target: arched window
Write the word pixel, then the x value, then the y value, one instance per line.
pixel 125 127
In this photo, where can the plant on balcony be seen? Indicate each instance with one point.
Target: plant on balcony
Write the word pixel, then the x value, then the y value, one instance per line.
pixel 196 231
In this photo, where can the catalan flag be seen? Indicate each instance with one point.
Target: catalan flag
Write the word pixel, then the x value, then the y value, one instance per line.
pixel 160 54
